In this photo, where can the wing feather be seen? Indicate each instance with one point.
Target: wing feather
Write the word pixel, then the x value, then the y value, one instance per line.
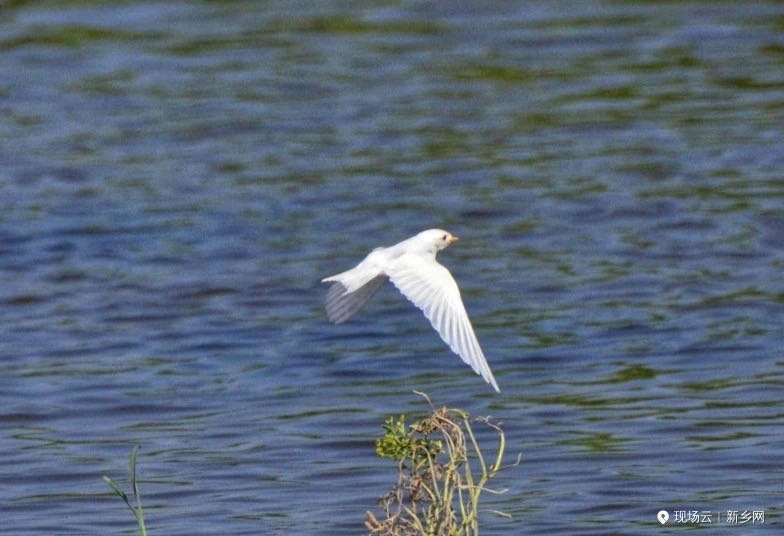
pixel 342 304
pixel 430 286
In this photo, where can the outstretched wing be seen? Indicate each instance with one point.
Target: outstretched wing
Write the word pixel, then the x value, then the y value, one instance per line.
pixel 432 288
pixel 342 304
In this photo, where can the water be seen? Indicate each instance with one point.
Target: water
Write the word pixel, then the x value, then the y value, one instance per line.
pixel 177 177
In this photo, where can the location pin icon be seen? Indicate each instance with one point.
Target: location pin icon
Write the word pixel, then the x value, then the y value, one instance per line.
pixel 663 516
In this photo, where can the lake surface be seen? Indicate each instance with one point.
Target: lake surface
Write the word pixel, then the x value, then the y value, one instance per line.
pixel 175 179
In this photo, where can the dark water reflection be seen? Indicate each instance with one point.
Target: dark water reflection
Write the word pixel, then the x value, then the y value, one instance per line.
pixel 176 177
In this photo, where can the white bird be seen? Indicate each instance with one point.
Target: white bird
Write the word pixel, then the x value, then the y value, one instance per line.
pixel 411 266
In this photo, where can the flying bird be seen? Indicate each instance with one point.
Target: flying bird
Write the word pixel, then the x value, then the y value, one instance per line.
pixel 412 267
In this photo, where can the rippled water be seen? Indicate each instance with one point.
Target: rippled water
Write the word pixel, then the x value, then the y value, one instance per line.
pixel 175 178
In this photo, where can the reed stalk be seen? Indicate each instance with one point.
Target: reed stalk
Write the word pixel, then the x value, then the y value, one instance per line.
pixel 438 488
pixel 138 511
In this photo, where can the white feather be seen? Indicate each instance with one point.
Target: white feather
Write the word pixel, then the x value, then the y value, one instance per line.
pixel 411 266
pixel 432 288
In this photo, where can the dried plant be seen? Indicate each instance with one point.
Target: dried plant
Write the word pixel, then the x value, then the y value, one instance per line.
pixel 437 492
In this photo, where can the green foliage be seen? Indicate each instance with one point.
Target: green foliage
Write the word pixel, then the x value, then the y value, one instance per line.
pixel 399 445
pixel 437 490
pixel 138 511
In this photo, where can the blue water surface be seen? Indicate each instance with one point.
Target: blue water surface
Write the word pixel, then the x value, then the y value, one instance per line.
pixel 176 178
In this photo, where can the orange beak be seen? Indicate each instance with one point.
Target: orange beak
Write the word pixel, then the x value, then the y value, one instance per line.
pixel 451 239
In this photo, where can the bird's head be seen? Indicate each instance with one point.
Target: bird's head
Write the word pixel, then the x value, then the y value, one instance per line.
pixel 436 239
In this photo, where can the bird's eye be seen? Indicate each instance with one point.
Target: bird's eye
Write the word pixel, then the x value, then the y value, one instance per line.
pixel 443 237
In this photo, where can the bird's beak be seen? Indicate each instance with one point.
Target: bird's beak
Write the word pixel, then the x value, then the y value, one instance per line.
pixel 451 239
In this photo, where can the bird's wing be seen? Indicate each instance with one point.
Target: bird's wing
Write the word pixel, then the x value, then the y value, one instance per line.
pixel 352 289
pixel 432 288
pixel 342 304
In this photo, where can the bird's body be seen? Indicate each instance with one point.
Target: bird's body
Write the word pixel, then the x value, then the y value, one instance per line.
pixel 411 266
